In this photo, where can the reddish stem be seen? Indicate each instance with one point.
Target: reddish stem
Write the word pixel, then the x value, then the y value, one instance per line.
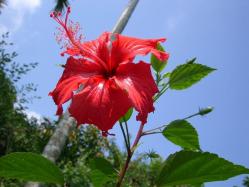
pixel 129 156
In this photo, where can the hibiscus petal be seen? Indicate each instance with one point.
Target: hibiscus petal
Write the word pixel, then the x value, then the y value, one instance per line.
pixel 81 67
pixel 137 81
pixel 101 103
pixel 77 72
pixel 96 50
pixel 126 48
pixel 64 91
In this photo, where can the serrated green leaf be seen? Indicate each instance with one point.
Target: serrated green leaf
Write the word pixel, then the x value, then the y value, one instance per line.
pixel 189 167
pixel 182 133
pixel 102 172
pixel 157 64
pixel 127 116
pixel 29 167
pixel 186 75
pixel 191 61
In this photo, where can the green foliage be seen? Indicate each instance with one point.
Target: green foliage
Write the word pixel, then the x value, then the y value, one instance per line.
pixel 127 116
pixel 87 143
pixel 152 155
pixel 17 132
pixel 167 75
pixel 13 71
pixel 157 64
pixel 30 167
pixel 182 133
pixel 246 182
pixel 142 173
pixel 188 167
pixel 15 128
pixel 102 172
pixel 188 74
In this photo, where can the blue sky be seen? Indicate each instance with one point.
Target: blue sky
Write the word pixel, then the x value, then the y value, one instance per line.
pixel 216 32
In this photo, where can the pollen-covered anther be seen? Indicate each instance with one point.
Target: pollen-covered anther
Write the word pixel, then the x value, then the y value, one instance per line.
pixel 68 33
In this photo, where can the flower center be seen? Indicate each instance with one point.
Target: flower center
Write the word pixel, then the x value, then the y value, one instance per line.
pixel 109 74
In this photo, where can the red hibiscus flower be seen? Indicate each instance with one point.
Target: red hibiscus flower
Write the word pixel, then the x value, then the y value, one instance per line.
pixel 103 81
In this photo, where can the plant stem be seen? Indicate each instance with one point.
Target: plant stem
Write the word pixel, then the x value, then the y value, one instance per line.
pixel 127 133
pixel 193 115
pixel 129 156
pixel 154 131
pixel 125 137
pixel 162 91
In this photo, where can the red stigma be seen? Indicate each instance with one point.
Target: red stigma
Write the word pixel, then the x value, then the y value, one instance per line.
pixel 68 33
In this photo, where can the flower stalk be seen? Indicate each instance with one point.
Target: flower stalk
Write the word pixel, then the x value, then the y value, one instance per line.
pixel 159 130
pixel 129 156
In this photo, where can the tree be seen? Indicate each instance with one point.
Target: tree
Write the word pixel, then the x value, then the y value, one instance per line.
pixel 246 181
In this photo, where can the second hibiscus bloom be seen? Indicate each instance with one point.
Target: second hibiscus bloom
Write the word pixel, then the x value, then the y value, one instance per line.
pixel 102 79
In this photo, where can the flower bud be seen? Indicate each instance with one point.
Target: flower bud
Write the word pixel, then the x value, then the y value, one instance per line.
pixel 204 111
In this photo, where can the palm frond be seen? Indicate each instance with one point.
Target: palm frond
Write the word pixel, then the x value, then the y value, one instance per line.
pixel 60 5
pixel 2 3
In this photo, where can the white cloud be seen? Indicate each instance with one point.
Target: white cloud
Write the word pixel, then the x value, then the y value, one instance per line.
pixel 14 13
pixel 26 5
pixel 32 114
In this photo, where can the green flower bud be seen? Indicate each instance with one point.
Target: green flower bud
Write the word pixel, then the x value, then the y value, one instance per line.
pixel 204 111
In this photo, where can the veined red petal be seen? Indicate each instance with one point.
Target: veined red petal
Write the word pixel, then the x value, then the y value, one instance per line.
pixel 101 103
pixel 96 50
pixel 64 91
pixel 81 67
pixel 137 81
pixel 109 53
pixel 125 48
pixel 76 73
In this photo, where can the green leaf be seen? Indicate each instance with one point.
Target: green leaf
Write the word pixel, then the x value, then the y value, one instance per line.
pixel 188 74
pixel 189 167
pixel 182 133
pixel 191 61
pixel 102 172
pixel 29 167
pixel 127 116
pixel 166 75
pixel 157 64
